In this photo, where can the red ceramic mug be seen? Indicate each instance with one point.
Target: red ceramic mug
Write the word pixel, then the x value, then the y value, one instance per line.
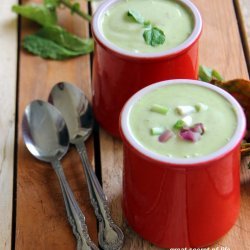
pixel 181 202
pixel 118 74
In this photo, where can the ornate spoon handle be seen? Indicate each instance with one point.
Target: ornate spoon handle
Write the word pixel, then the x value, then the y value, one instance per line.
pixel 75 216
pixel 71 217
pixel 110 235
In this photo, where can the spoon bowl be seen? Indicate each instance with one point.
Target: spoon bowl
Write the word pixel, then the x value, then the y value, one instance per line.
pixel 44 131
pixel 75 109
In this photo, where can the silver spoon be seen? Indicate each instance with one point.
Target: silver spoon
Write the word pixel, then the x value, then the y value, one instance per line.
pixel 46 137
pixel 77 113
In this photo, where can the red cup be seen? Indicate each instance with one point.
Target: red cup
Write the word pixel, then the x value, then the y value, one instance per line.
pixel 181 202
pixel 118 74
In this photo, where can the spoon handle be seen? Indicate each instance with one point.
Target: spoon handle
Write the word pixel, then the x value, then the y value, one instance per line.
pixel 110 235
pixel 74 213
pixel 71 217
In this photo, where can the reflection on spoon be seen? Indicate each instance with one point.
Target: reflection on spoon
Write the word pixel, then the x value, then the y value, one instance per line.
pixel 77 113
pixel 46 136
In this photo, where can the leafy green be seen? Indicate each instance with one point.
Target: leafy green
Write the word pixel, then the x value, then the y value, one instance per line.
pixel 207 74
pixel 136 16
pixel 46 48
pixel 37 13
pixel 75 8
pixel 51 4
pixel 216 75
pixel 154 36
pixel 52 41
pixel 65 39
pixel 147 24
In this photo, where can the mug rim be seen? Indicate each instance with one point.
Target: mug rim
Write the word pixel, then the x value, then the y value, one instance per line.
pixel 130 138
pixel 97 34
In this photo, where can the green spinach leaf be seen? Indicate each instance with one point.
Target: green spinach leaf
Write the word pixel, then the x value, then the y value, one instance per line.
pixel 37 13
pixel 66 39
pixel 46 48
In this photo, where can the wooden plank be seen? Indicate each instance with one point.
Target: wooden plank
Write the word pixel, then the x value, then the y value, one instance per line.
pixel 220 48
pixel 41 221
pixel 8 58
pixel 243 8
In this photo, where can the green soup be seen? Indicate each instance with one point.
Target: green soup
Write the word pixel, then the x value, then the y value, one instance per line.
pixel 173 18
pixel 218 118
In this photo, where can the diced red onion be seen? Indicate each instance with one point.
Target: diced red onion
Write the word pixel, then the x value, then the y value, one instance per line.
pixel 189 135
pixel 198 128
pixel 165 136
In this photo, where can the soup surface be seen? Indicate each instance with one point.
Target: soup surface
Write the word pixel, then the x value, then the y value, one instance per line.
pixel 170 16
pixel 196 121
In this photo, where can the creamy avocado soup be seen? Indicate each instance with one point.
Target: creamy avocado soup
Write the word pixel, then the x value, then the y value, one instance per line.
pixel 170 16
pixel 183 121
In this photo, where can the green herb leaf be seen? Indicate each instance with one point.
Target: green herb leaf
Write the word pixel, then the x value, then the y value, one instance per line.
pixel 46 48
pixel 51 4
pixel 147 24
pixel 37 13
pixel 136 16
pixel 216 75
pixel 75 8
pixel 154 36
pixel 66 39
pixel 207 74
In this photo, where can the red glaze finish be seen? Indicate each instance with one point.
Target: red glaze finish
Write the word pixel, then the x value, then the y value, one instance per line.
pixel 180 206
pixel 178 203
pixel 118 74
pixel 116 78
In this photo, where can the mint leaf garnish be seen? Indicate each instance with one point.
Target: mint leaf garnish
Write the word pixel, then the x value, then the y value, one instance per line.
pixel 147 24
pixel 53 41
pixel 66 39
pixel 38 13
pixel 154 36
pixel 136 16
pixel 51 4
pixel 48 49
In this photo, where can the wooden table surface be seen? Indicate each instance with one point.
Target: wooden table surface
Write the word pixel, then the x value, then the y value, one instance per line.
pixel 32 213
